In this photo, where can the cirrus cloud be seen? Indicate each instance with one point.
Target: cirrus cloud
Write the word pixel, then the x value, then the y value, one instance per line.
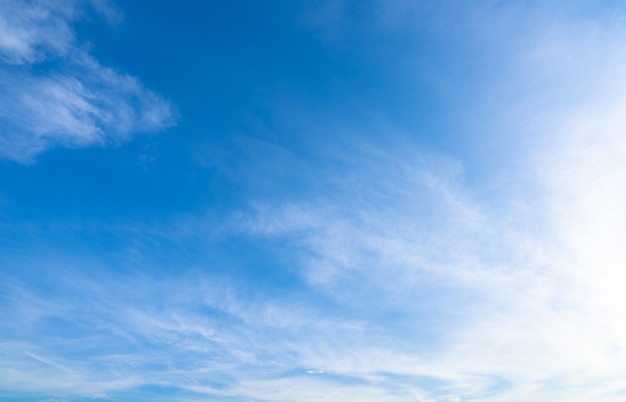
pixel 55 93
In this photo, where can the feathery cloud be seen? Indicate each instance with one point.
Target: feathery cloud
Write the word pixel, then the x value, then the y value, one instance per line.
pixel 55 93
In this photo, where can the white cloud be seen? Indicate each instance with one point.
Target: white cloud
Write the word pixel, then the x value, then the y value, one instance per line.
pixel 33 31
pixel 401 222
pixel 73 101
pixel 200 334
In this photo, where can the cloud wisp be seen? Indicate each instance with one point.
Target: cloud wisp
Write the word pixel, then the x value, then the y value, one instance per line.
pixel 55 93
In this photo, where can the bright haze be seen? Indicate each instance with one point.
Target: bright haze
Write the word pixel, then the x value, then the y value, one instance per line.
pixel 289 201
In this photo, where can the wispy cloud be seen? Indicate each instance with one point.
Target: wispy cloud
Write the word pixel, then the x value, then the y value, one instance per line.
pixel 533 283
pixel 397 220
pixel 203 338
pixel 55 93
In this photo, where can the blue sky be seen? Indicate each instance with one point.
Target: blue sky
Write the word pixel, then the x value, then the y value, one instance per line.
pixel 282 201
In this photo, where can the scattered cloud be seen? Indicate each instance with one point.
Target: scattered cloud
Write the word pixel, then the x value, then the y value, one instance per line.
pixel 416 286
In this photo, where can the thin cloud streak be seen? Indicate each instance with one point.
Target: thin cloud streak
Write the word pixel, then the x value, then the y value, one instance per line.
pixel 167 343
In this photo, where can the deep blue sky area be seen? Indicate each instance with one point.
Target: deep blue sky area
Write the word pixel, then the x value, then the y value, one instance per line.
pixel 280 201
pixel 251 61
